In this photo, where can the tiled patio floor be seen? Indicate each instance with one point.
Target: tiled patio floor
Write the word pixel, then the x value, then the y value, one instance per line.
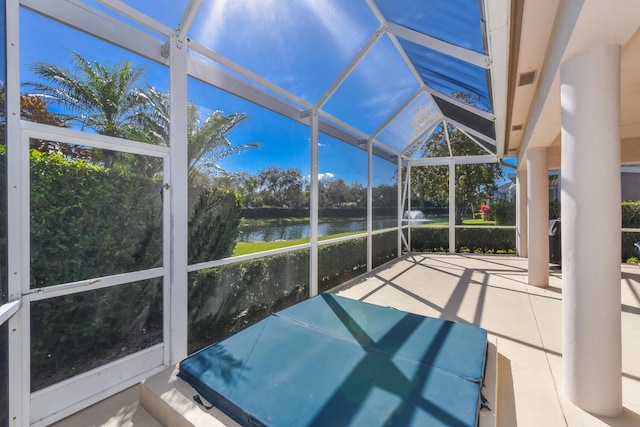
pixel 491 292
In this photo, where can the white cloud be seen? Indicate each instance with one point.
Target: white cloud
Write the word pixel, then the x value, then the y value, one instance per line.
pixel 327 175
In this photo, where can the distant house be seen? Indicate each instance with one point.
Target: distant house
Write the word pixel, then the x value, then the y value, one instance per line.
pixel 507 190
pixel 630 182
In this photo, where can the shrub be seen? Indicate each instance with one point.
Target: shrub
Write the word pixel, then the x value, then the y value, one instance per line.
pixel 628 241
pixel 554 210
pixel 504 212
pixel 213 224
pixel 485 239
pixel 631 214
pixel 427 239
pixel 385 248
pixel 89 221
pixel 342 261
pixel 226 299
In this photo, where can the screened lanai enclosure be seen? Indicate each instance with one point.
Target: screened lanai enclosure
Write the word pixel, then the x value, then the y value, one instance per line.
pixel 175 171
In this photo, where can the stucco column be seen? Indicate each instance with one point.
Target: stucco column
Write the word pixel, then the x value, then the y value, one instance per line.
pixel 522 229
pixel 591 230
pixel 538 216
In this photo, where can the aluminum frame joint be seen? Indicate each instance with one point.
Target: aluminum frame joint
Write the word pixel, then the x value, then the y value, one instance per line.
pixel 165 49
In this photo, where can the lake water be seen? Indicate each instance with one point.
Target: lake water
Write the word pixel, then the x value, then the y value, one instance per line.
pixel 286 231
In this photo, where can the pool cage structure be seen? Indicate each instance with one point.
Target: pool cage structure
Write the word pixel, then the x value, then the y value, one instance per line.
pixel 90 308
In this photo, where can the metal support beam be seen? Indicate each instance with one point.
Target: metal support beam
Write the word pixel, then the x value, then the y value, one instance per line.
pixel 369 205
pixel 452 206
pixel 409 204
pixel 187 19
pixel 314 206
pixel 17 167
pixel 470 108
pixel 475 140
pixel 460 160
pixel 136 16
pixel 446 134
pixel 466 55
pixel 471 131
pixel 398 111
pixel 359 56
pixel 176 323
pixel 400 201
pixel 411 147
pixel 215 57
pixel 95 22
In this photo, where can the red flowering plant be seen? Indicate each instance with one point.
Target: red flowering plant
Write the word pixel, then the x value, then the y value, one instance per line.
pixel 485 211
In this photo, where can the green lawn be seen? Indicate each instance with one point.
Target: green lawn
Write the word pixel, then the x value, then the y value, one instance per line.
pixel 464 222
pixel 244 248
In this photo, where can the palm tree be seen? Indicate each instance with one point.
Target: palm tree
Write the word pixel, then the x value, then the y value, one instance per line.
pixel 207 140
pixel 102 97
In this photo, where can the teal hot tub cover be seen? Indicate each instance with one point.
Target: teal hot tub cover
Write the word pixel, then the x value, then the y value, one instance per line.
pixel 334 361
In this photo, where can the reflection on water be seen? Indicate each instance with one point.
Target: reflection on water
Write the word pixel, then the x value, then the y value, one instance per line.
pixel 284 230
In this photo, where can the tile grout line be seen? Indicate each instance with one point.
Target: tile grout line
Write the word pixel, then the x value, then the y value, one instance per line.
pixel 546 356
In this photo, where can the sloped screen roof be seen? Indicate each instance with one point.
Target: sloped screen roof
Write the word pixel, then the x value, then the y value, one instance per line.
pixel 386 71
pixel 458 22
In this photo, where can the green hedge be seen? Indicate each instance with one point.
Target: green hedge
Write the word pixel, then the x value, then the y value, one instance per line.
pixel 88 221
pixel 630 219
pixel 429 239
pixel 630 214
pixel 213 223
pixel 628 241
pixel 485 239
pixel 226 299
pixel 504 212
pixel 384 247
pixel 554 210
pixel 340 262
pixel 75 333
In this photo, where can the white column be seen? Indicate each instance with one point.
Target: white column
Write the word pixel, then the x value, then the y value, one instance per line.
pixel 591 230
pixel 522 229
pixel 538 216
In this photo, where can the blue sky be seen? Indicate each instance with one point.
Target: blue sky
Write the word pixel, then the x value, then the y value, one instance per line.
pixel 307 69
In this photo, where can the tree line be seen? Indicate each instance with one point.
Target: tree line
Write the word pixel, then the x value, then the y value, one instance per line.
pixel 287 188
pixel 114 100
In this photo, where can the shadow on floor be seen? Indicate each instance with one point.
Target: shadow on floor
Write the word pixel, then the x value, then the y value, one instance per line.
pixel 506 395
pixel 627 419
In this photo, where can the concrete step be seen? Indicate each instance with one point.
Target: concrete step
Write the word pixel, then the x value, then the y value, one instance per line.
pixel 120 410
pixel 488 415
pixel 170 400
